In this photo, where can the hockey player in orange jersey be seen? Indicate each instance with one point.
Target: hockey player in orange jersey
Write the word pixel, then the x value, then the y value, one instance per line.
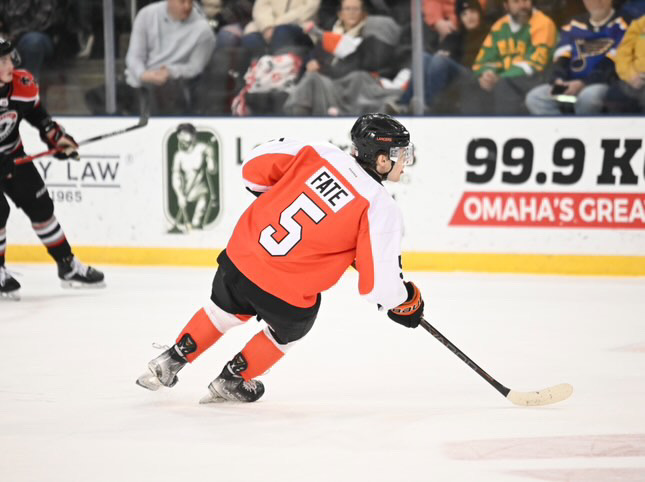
pixel 318 210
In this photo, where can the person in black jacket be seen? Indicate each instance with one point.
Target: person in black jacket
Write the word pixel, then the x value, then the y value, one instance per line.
pixel 454 57
pixel 359 49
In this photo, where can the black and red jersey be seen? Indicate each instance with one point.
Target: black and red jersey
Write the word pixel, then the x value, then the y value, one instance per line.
pixel 19 100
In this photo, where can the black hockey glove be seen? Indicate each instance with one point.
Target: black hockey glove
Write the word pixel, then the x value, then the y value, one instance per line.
pixel 55 136
pixel 410 312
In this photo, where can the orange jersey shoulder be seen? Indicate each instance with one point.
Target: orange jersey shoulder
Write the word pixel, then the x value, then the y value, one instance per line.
pixel 25 87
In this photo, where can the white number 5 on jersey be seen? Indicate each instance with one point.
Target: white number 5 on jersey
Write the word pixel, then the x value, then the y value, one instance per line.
pixel 293 228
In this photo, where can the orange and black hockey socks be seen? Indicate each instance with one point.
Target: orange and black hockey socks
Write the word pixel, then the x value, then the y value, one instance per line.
pixel 205 328
pixel 197 336
pixel 261 353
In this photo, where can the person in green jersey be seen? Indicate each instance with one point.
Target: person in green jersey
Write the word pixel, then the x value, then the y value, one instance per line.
pixel 510 62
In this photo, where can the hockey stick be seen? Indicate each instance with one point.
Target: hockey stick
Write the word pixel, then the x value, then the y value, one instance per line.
pixel 547 396
pixel 181 214
pixel 143 121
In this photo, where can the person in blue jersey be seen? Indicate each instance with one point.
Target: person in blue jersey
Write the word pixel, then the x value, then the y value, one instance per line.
pixel 583 63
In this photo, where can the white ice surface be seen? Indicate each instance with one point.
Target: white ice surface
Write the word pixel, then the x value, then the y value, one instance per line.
pixel 359 399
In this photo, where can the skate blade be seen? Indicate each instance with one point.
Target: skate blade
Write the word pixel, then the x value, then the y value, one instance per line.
pixel 213 397
pixel 10 296
pixel 210 398
pixel 149 381
pixel 79 285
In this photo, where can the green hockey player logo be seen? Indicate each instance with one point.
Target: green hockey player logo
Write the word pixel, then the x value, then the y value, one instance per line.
pixel 191 178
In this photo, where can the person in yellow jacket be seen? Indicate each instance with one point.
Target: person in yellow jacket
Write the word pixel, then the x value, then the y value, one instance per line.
pixel 628 95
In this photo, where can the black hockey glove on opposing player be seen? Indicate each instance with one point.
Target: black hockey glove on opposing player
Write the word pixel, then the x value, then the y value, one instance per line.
pixel 408 313
pixel 55 137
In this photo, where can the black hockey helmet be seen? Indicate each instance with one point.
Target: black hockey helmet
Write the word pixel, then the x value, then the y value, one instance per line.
pixel 376 133
pixel 7 48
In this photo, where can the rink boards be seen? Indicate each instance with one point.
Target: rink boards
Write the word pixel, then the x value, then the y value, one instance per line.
pixel 551 195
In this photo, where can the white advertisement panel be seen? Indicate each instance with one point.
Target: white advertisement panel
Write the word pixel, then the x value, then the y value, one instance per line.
pixel 554 186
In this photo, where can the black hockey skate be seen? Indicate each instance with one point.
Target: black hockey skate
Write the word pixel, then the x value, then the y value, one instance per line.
pixel 9 286
pixel 230 386
pixel 162 371
pixel 74 274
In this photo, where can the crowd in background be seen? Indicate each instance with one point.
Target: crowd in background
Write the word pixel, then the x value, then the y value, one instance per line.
pixel 344 57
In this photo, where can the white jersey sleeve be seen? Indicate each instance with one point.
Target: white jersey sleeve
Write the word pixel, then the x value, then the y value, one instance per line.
pixel 378 254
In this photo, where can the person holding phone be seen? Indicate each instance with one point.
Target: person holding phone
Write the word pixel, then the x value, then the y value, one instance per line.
pixel 583 64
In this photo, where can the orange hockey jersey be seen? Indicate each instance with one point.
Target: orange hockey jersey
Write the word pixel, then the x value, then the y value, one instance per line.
pixel 319 212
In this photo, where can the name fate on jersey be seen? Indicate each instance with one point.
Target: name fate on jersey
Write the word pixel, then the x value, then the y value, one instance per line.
pixel 328 188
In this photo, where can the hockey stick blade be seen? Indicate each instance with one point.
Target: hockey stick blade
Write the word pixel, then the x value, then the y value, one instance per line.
pixel 548 396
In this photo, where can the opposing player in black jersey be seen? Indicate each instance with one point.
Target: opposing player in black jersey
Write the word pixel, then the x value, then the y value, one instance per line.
pixel 19 99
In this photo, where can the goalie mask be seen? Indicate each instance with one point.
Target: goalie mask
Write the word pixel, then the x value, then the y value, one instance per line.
pixel 373 134
pixel 7 48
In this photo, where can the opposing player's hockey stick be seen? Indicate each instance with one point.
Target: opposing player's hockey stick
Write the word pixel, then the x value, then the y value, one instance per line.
pixel 143 121
pixel 547 396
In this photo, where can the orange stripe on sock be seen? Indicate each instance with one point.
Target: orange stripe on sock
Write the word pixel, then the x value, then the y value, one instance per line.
pixel 261 354
pixel 202 331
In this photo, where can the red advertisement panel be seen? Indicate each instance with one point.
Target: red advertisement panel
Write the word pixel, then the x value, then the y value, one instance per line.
pixel 551 210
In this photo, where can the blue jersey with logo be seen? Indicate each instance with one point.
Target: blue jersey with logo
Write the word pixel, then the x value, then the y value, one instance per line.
pixel 587 51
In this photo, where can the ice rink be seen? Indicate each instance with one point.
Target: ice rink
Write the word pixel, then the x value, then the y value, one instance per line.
pixel 359 399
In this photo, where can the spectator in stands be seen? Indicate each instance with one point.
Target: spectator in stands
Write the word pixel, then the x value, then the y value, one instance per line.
pixel 454 57
pixel 584 62
pixel 277 24
pixel 38 29
pixel 441 20
pixel 558 10
pixel 346 63
pixel 628 95
pixel 351 20
pixel 228 18
pixel 170 45
pixel 510 62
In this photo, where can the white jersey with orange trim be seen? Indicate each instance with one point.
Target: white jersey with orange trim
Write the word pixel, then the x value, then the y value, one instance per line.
pixel 319 212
